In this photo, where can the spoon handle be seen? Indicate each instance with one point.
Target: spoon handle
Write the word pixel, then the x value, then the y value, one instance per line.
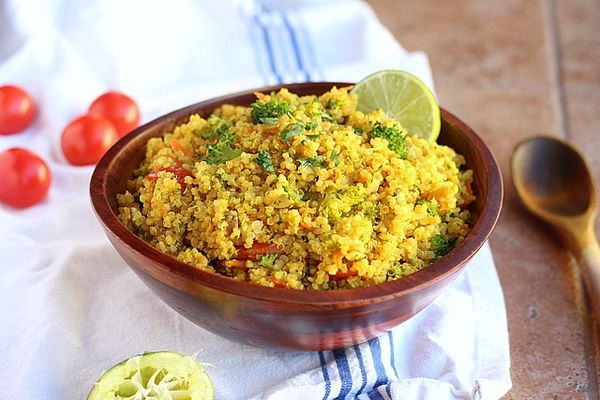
pixel 590 268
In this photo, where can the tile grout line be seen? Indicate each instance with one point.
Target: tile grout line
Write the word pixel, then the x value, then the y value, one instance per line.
pixel 561 119
pixel 554 66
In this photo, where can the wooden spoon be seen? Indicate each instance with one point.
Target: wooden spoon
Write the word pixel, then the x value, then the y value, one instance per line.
pixel 554 182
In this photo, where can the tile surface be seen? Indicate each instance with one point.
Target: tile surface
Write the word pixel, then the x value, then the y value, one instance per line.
pixel 513 69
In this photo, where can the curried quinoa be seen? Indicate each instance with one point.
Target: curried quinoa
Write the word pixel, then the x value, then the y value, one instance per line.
pixel 299 192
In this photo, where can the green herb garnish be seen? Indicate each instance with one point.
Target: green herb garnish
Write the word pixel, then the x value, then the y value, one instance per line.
pixel 395 137
pixel 334 156
pixel 267 261
pixel 315 161
pixel 440 245
pixel 269 112
pixel 293 129
pixel 263 159
pixel 222 151
pixel 216 129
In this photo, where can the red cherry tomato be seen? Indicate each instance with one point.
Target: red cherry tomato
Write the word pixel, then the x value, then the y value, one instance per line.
pixel 17 110
pixel 85 140
pixel 24 178
pixel 119 108
pixel 180 174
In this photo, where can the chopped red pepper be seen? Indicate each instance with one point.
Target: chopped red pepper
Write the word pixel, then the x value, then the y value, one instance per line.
pixel 278 283
pixel 180 174
pixel 256 251
pixel 343 275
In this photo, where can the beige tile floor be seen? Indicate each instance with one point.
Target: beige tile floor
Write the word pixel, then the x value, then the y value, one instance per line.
pixel 511 69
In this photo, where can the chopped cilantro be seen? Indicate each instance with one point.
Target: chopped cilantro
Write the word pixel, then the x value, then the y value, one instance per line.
pixel 222 151
pixel 269 112
pixel 294 194
pixel 310 125
pixel 440 245
pixel 313 137
pixel 315 161
pixel 358 130
pixel 263 159
pixel 293 129
pixel 395 137
pixel 334 156
pixel 327 117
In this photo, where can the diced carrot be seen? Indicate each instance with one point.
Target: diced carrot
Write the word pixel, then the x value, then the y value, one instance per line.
pixel 465 203
pixel 306 225
pixel 239 264
pixel 338 256
pixel 180 174
pixel 256 251
pixel 178 146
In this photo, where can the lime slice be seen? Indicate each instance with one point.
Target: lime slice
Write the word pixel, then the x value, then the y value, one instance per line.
pixel 401 96
pixel 161 375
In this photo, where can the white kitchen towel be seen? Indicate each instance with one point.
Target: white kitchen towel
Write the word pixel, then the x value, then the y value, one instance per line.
pixel 70 307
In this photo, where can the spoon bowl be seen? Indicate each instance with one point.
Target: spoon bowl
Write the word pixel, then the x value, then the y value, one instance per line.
pixel 553 178
pixel 554 182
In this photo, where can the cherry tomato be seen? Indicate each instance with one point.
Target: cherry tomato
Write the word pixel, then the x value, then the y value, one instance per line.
pixel 17 110
pixel 24 178
pixel 180 174
pixel 85 140
pixel 119 108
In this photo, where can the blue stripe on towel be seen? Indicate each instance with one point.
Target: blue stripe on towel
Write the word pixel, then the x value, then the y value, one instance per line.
pixel 296 47
pixel 363 371
pixel 375 395
pixel 382 378
pixel 325 375
pixel 269 48
pixel 314 70
pixel 393 361
pixel 344 372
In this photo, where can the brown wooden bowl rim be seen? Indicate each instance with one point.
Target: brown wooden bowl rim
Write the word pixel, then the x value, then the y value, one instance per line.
pixel 428 276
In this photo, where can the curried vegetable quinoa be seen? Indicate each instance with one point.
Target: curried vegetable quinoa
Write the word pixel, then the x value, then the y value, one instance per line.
pixel 299 192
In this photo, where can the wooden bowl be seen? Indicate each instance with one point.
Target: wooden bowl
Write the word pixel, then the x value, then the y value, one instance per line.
pixel 282 318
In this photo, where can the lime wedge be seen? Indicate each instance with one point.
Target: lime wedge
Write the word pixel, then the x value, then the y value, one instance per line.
pixel 161 375
pixel 401 96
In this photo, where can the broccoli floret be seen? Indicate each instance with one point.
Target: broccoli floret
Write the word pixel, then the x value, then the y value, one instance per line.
pixel 440 245
pixel 290 131
pixel 267 261
pixel 400 269
pixel 339 203
pixel 431 206
pixel 216 129
pixel 263 159
pixel 268 112
pixel 395 137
